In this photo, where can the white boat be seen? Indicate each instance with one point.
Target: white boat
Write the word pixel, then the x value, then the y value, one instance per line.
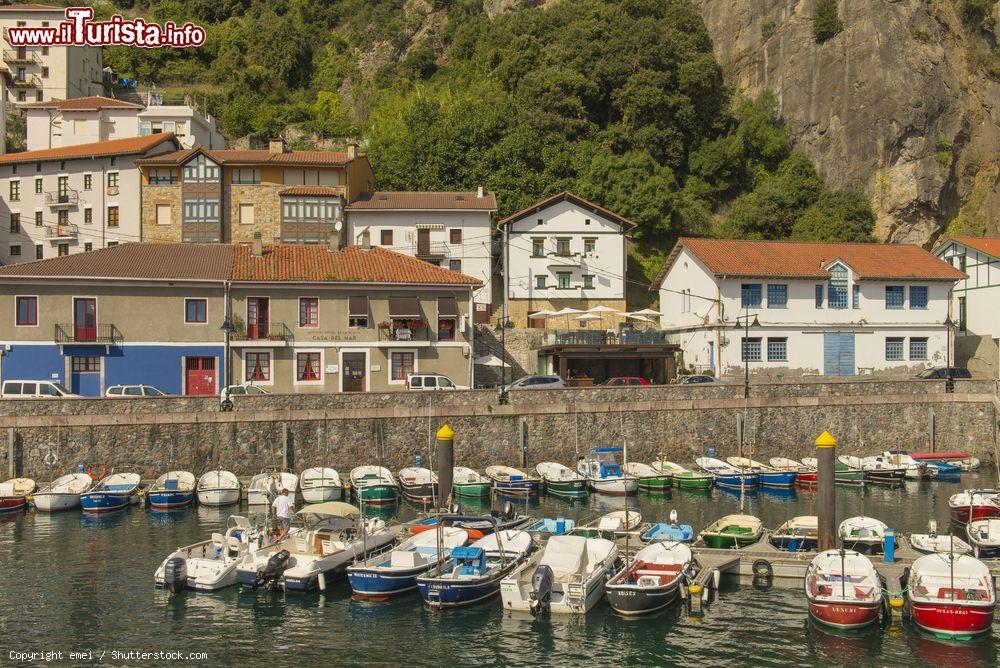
pixel 811 462
pixel 877 469
pixel 473 573
pixel 395 572
pixel 320 484
pixel 862 534
pixel 934 543
pixel 566 576
pixel 651 580
pixel 264 487
pixel 974 504
pixel 374 485
pixel 331 536
pixel 219 488
pixel 14 494
pixel 513 482
pixel 418 484
pixel 612 525
pixel 968 464
pixel 561 480
pixel 211 564
pixel 843 589
pixel 63 493
pixel 951 595
pixel 174 489
pixel 604 474
pixel 914 470
pixel 786 464
pixel 984 536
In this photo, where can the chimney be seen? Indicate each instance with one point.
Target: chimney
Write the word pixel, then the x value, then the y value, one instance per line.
pixel 366 240
pixel 258 245
pixel 276 145
pixel 334 241
pixel 479 192
pixel 352 151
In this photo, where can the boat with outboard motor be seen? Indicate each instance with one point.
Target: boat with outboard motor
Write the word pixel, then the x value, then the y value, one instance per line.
pixel 951 595
pixel 63 493
pixel 210 565
pixel 267 485
pixel 668 531
pixel 649 479
pixel 769 476
pixel 473 573
pixel 219 488
pixel 561 480
pixel 877 469
pixel 728 476
pixel 613 525
pixel 14 494
pixel 931 542
pixel 396 572
pixel 843 589
pixel 984 536
pixel 112 492
pixel 604 474
pixel 510 481
pixel 542 529
pixel 915 469
pixel 732 532
pixel 863 534
pixel 172 490
pixel 798 534
pixel 974 504
pixel 320 484
pixel 651 580
pixel 476 525
pixel 684 478
pixel 374 485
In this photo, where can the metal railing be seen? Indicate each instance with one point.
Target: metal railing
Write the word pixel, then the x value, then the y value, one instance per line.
pixel 596 337
pixel 69 198
pixel 430 249
pixel 100 333
pixel 273 331
pixel 63 231
pixel 30 81
pixel 28 58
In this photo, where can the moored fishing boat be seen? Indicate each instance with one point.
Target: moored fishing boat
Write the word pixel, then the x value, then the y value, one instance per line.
pixel 419 485
pixel 218 488
pixel 951 595
pixel 862 534
pixel 843 589
pixel 613 525
pixel 63 493
pixel 265 486
pixel 374 485
pixel 944 469
pixel 548 526
pixel 877 469
pixel 728 476
pixel 396 572
pixel 14 494
pixel 651 580
pixel 670 531
pixel 477 526
pixel 473 573
pixel 732 532
pixel 929 543
pixel 684 478
pixel 604 474
pixel 513 482
pixel 172 490
pixel 469 483
pixel 648 478
pixel 113 492
pixel 320 484
pixel 804 475
pixel 915 470
pixel 974 504
pixel 984 536
pixel 769 477
pixel 798 534
pixel 211 564
pixel 561 480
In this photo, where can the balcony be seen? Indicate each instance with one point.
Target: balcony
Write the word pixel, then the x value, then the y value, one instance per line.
pixel 307 233
pixel 104 334
pixel 63 232
pixel 201 232
pixel 26 58
pixel 404 330
pixel 265 335
pixel 63 200
pixel 427 250
pixel 30 81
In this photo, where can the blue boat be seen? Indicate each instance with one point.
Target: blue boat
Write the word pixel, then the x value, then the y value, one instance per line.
pixel 728 476
pixel 943 468
pixel 668 531
pixel 545 527
pixel 510 481
pixel 172 490
pixel 769 476
pixel 389 574
pixel 114 492
pixel 474 573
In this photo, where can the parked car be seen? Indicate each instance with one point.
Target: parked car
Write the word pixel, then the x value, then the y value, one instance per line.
pixel 35 389
pixel 431 381
pixel 535 383
pixel 696 379
pixel 227 394
pixel 944 372
pixel 620 381
pixel 128 391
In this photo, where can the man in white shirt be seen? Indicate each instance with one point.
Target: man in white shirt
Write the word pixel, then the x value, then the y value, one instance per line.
pixel 283 508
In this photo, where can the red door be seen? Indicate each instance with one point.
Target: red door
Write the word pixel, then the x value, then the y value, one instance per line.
pixel 257 317
pixel 199 375
pixel 84 319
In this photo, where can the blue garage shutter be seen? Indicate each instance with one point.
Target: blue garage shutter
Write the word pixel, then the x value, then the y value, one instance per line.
pixel 838 354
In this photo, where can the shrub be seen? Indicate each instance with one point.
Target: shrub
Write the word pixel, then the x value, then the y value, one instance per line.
pixel 826 22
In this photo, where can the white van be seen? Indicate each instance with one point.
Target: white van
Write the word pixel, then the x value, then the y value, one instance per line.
pixel 34 389
pixel 431 381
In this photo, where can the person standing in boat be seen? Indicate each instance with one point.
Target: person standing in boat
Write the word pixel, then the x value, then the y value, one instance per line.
pixel 283 507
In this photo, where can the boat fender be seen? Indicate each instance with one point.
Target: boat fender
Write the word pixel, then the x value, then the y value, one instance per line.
pixel 541 590
pixel 762 569
pixel 705 594
pixel 175 574
pixel 321 581
pixel 51 458
pixel 716 579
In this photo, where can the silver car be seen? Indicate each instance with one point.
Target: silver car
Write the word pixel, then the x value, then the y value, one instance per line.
pixel 539 382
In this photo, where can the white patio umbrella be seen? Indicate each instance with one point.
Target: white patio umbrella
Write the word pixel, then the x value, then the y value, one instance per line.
pixel 603 310
pixel 636 316
pixel 567 311
pixel 587 317
pixel 489 360
pixel 544 313
pixel 647 311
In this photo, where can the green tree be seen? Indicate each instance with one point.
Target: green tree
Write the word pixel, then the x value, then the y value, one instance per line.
pixel 826 21
pixel 837 215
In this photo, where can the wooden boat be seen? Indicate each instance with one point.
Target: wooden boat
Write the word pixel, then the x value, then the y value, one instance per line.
pixel 561 480
pixel 210 565
pixel 386 575
pixel 612 525
pixel 668 532
pixel 651 580
pixel 876 469
pixel 984 536
pixel 862 534
pixel 14 494
pixel 732 532
pixel 113 492
pixel 473 573
pixel 951 595
pixel 265 486
pixel 419 485
pixel 934 543
pixel 566 576
pixel 320 484
pixel 799 534
pixel 218 488
pixel 804 475
pixel 172 490
pixel 649 478
pixel 374 485
pixel 684 478
pixel 727 475
pixel 843 589
pixel 477 526
pixel 513 482
pixel 769 477
pixel 63 493
pixel 470 484
pixel 974 504
pixel 604 474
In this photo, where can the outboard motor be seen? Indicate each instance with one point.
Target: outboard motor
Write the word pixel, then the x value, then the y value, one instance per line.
pixel 272 571
pixel 175 574
pixel 508 511
pixel 541 590
pixel 454 508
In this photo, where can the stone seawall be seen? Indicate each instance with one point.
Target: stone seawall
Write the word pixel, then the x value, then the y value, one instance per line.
pixel 340 430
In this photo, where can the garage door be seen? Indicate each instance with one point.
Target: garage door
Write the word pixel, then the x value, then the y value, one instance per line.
pixel 838 354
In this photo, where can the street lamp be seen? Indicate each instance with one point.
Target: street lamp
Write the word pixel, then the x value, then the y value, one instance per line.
pixel 949 384
pixel 501 328
pixel 744 322
pixel 228 328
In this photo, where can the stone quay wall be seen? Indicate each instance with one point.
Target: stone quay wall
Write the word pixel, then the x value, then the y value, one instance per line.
pixel 676 422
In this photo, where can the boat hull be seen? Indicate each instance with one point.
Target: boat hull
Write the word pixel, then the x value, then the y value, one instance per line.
pixel 473 490
pixel 843 615
pixel 525 487
pixel 737 481
pixel 321 493
pixel 566 488
pixel 10 504
pixel 782 479
pixel 423 494
pixel 106 502
pixel 657 483
pixel 852 477
pixel 952 621
pixel 633 601
pixel 56 502
pixel 613 486
pixel 378 495
pixel 170 500
pixel 694 482
pixel 727 541
pixel 795 543
pixel 966 514
pixel 222 496
pixel 807 478
pixel 885 477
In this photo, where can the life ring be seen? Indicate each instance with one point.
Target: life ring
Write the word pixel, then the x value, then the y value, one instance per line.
pixel 93 468
pixel 762 569
pixel 50 459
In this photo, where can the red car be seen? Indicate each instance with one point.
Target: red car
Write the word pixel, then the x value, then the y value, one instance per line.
pixel 620 381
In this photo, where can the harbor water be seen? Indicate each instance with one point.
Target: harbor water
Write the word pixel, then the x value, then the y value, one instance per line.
pixel 73 582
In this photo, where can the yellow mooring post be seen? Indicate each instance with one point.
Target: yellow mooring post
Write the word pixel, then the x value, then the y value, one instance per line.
pixel 446 464
pixel 826 493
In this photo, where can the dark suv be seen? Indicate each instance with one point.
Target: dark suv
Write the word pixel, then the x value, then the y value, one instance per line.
pixel 944 372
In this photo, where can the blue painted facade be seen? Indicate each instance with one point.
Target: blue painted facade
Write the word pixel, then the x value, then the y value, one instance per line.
pixel 159 365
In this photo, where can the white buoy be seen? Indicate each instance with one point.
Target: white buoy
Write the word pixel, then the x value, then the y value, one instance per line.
pixel 716 579
pixel 321 578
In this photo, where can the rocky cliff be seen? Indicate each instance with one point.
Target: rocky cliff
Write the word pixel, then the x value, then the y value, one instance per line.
pixel 897 103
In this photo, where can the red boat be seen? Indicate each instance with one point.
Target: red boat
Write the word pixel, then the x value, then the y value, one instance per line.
pixel 843 589
pixel 14 494
pixel 974 504
pixel 951 595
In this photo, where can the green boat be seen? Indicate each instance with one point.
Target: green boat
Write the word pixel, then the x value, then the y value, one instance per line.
pixel 470 484
pixel 732 532
pixel 682 477
pixel 650 479
pixel 374 485
pixel 561 480
pixel 844 475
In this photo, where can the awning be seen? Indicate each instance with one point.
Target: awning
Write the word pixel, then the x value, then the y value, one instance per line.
pixel 404 307
pixel 447 307
pixel 357 306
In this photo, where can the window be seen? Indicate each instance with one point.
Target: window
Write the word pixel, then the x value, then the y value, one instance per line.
pixel 586 221
pixel 588 281
pixel 962 314
pixel 112 216
pixel 85 364
pixel 45 49
pixel 855 296
pixel 246 214
pixel 38 186
pixel 446 329
pixel 777 350
pixel 307 367
pixel 563 280
pixel 201 170
pixel 838 287
pixel 311 177
pixel 894 296
pixel 894 349
pixel 201 210
pixel 15 223
pixel 540 221
pixel 386 237
pixel 918 348
pixel 163 214
pixel 357 311
pixel 401 365
pixel 750 295
pixel 38 219
pixel 112 179
pixel 39 253
pixel 308 209
pixel 540 282
pixel 819 296
pixel 15 191
pixel 562 246
pixel 195 311
pixel 45 72
pixel 88 181
pixel 455 265
pixel 308 312
pixel 62 217
pixel 962 261
pixel 257 366
pixel 246 176
pixel 537 247
pixel 15 250
pixel 777 295
pixel 163 177
pixel 918 296
pixel 455 235
pixel 751 350
pixel 89 246
pixel 589 244
pixel 27 311
pixel 22 96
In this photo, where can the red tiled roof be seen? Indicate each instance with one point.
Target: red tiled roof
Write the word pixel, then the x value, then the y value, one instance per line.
pixel 83 103
pixel 31 7
pixel 315 263
pixel 244 157
pixel 314 191
pixel 127 146
pixel 988 245
pixel 797 259
pixel 570 197
pixel 430 201
pixel 153 261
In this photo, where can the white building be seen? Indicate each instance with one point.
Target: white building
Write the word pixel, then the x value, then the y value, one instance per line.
pixel 40 73
pixel 57 123
pixel 563 252
pixel 975 301
pixel 821 308
pixel 73 198
pixel 450 229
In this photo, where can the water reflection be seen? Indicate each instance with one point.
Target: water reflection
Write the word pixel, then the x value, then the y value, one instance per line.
pixel 843 647
pixel 104 521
